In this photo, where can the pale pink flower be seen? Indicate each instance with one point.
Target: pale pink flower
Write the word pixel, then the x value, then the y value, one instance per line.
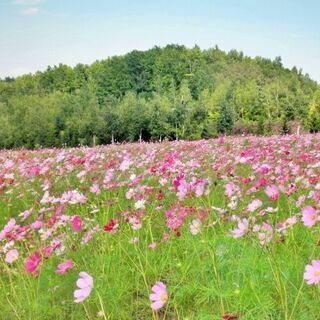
pixel 85 285
pixel 140 204
pixel 134 240
pixel 81 175
pixel 108 176
pixel 233 204
pixel 243 226
pixel 25 214
pixel 312 272
pixel 271 210
pixel 230 189
pixel 272 192
pixel 265 233
pixel 220 210
pixel 73 197
pixel 182 189
pixel 8 228
pixel 95 189
pixel 62 268
pixel 12 256
pixel 254 205
pixel 36 225
pixel 135 223
pixel 129 194
pixel 152 246
pixel 89 235
pixel 282 227
pixel 46 198
pixel 195 227
pixel 200 188
pixel 309 216
pixel 125 165
pixel 159 296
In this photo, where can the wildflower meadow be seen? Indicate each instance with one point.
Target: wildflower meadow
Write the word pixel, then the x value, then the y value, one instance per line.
pixel 225 228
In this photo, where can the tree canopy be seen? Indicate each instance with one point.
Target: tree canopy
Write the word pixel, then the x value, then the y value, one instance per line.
pixel 171 92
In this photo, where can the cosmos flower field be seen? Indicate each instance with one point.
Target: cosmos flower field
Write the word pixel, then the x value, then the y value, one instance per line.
pixel 217 229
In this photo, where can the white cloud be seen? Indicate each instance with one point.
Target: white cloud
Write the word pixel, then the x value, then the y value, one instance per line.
pixel 29 7
pixel 30 11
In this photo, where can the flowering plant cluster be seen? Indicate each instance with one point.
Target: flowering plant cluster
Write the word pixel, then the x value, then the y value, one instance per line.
pixel 63 203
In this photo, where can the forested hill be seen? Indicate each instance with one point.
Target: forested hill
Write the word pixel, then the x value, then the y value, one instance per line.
pixel 170 92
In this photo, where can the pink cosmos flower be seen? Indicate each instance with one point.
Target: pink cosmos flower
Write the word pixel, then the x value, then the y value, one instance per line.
pixel 182 189
pixel 195 227
pixel 60 210
pixel 76 224
pixel 152 246
pixel 32 263
pixel 230 189
pixel 282 227
pixel 46 198
pixel 135 223
pixel 8 228
pixel 309 216
pixel 25 214
pixel 85 285
pixel 254 205
pixel 175 216
pixel 12 256
pixel 243 226
pixel 89 235
pixel 159 296
pixel 73 197
pixel 36 225
pixel 312 272
pixel 125 165
pixel 140 204
pixel 200 188
pixel 64 267
pixel 112 226
pixel 48 251
pixel 265 233
pixel 272 192
pixel 95 189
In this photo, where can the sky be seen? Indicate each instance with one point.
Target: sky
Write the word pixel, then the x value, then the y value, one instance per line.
pixel 38 33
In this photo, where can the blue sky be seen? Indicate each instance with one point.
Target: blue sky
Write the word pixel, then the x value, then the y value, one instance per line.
pixel 38 33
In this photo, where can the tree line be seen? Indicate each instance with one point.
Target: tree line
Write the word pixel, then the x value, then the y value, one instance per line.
pixel 162 93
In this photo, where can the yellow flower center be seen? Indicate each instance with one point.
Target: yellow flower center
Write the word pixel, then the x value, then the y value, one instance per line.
pixel 313 217
pixel 317 273
pixel 163 297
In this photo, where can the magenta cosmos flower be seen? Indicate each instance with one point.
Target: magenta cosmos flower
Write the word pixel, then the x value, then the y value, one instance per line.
pixel 85 285
pixel 32 263
pixel 64 267
pixel 309 216
pixel 76 224
pixel 159 296
pixel 312 272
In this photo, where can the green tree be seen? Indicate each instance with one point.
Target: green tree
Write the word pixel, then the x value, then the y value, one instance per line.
pixel 314 113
